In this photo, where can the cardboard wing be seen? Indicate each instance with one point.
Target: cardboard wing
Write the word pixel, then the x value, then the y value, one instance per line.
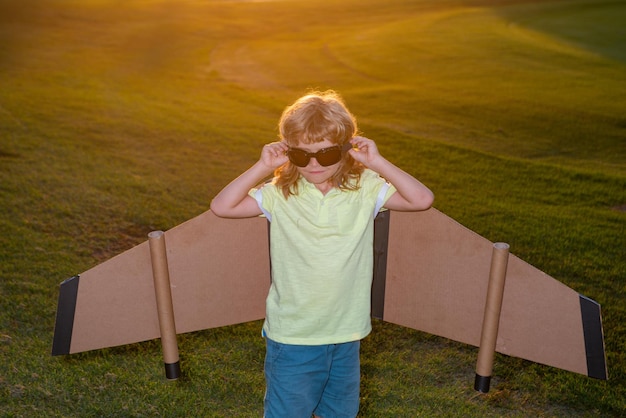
pixel 219 275
pixel 431 274
pixel 435 279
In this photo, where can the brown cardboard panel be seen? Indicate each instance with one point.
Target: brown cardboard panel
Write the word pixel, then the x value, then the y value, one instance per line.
pixel 219 271
pixel 437 277
pixel 541 319
pixel 437 273
pixel 115 304
pixel 219 274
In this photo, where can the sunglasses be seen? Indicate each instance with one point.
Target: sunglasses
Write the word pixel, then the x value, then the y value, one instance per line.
pixel 325 156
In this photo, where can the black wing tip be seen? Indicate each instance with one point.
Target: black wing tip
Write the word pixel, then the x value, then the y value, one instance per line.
pixel 594 338
pixel 66 308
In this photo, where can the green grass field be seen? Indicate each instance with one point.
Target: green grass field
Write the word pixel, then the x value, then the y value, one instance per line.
pixel 119 118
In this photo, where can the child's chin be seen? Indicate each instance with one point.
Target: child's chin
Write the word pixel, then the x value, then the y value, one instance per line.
pixel 317 178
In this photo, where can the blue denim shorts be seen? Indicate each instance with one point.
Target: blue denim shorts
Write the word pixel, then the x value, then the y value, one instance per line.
pixel 302 380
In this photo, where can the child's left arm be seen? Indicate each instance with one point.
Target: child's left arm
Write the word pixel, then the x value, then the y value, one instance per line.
pixel 411 194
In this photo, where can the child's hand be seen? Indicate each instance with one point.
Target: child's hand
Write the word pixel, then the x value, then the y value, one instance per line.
pixel 366 152
pixel 274 155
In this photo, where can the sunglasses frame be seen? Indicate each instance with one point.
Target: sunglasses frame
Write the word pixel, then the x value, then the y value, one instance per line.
pixel 308 155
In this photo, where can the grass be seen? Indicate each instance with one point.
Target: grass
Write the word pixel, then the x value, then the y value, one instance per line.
pixel 118 118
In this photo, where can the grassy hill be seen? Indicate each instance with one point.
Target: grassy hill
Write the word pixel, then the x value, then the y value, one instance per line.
pixel 119 118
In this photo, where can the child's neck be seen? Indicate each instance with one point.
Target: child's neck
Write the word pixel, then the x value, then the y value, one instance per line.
pixel 325 187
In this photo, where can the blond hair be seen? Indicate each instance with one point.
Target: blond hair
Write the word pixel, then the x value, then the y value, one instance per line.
pixel 313 118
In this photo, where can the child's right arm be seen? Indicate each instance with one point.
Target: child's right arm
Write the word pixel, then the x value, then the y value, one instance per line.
pixel 233 201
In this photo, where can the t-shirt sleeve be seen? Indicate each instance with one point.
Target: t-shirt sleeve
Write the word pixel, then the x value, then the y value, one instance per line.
pixel 379 188
pixel 264 198
pixel 386 191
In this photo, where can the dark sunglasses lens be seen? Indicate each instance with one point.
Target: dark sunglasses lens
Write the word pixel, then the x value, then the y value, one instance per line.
pixel 325 157
pixel 298 157
pixel 328 157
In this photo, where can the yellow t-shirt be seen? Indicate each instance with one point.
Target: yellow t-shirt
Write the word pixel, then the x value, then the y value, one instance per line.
pixel 321 249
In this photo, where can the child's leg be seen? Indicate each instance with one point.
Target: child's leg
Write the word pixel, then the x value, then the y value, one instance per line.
pixel 295 377
pixel 341 393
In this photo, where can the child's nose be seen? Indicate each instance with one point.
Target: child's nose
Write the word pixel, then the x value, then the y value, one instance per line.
pixel 313 161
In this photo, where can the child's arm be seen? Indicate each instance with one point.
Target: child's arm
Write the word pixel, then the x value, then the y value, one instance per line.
pixel 233 201
pixel 411 194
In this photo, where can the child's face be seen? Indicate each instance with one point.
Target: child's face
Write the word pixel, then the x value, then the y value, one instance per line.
pixel 314 172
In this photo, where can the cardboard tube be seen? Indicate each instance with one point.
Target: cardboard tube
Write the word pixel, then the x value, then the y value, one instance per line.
pixel 165 308
pixel 491 317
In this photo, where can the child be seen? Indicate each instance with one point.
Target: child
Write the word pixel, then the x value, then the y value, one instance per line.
pixel 328 187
